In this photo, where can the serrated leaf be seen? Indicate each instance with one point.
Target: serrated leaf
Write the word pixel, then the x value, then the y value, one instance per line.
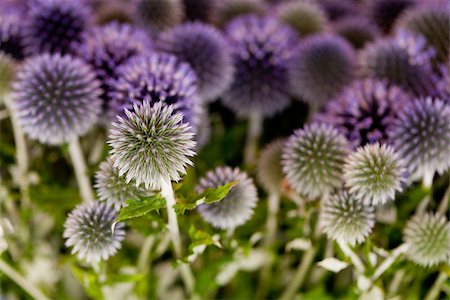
pixel 139 207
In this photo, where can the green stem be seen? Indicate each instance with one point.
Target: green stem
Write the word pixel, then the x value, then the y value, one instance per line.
pixel 433 293
pixel 144 254
pixel 356 261
pixel 255 122
pixel 389 261
pixel 443 206
pixel 81 171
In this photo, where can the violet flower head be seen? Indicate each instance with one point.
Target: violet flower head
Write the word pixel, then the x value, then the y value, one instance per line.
pixel 55 26
pixel 12 35
pixel 156 15
pixel 56 98
pixel 208 53
pixel 356 30
pixel 262 49
pixel 323 65
pixel 88 230
pixel 386 12
pixel 365 111
pixel 157 78
pixel 442 79
pixel 237 207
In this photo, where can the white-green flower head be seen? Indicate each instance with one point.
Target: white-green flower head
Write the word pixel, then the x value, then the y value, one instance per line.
pixel 113 188
pixel 88 230
pixel 346 219
pixel 313 160
pixel 374 173
pixel 237 207
pixel 151 144
pixel 428 238
pixel 269 169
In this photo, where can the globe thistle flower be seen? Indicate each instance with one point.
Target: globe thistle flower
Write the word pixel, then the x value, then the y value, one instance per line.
pixel 113 188
pixel 386 12
pixel 374 173
pixel 431 20
pixel 201 10
pixel 88 231
pixel 313 159
pixel 207 51
pixel 269 170
pixel 442 83
pixel 157 15
pixel 323 65
pixel 262 50
pixel 228 10
pixel 428 238
pixel 404 59
pixel 11 35
pixel 151 144
pixel 357 31
pixel 237 207
pixel 345 219
pixel 108 47
pixel 55 26
pixel 304 17
pixel 56 98
pixel 421 135
pixel 365 111
pixel 7 74
pixel 155 78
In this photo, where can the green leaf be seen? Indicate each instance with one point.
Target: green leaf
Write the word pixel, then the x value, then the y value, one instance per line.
pixel 139 207
pixel 209 196
pixel 199 237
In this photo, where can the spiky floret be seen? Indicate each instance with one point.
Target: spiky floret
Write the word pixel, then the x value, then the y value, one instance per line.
pixel 237 207
pixel 56 98
pixel 12 34
pixel 323 65
pixel 7 74
pixel 374 173
pixel 155 78
pixel 404 59
pixel 208 53
pixel 428 238
pixel 88 231
pixel 345 219
pixel 157 15
pixel 313 159
pixel 262 48
pixel 304 17
pixel 201 10
pixel 421 135
pixel 356 30
pixel 432 20
pixel 386 12
pixel 228 10
pixel 113 188
pixel 365 111
pixel 269 169
pixel 55 25
pixel 151 144
pixel 108 47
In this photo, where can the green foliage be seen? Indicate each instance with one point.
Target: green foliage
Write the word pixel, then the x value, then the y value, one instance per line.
pixel 139 207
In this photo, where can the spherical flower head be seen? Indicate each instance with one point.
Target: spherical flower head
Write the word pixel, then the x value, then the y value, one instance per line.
pixel 421 135
pixel 56 98
pixel 374 173
pixel 404 59
pixel 262 49
pixel 157 78
pixel 108 47
pixel 237 207
pixel 323 65
pixel 228 10
pixel 356 30
pixel 151 144
pixel 157 15
pixel 304 17
pixel 386 12
pixel 313 158
pixel 432 20
pixel 345 219
pixel 55 26
pixel 208 53
pixel 12 34
pixel 113 188
pixel 7 73
pixel 428 238
pixel 365 111
pixel 201 10
pixel 442 83
pixel 269 169
pixel 88 231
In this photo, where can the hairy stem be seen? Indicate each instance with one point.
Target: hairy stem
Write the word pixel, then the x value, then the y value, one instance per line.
pixel 81 172
pixel 255 121
pixel 387 263
pixel 144 254
pixel 356 261
pixel 433 293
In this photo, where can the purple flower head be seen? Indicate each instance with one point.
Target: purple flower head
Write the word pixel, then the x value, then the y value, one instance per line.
pixel 262 50
pixel 110 46
pixel 157 78
pixel 386 12
pixel 55 25
pixel 404 59
pixel 56 98
pixel 11 35
pixel 208 53
pixel 442 79
pixel 356 30
pixel 365 111
pixel 323 65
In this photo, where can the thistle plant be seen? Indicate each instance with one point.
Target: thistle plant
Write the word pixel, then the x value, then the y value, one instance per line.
pixel 374 173
pixel 7 73
pixel 357 31
pixel 11 35
pixel 269 169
